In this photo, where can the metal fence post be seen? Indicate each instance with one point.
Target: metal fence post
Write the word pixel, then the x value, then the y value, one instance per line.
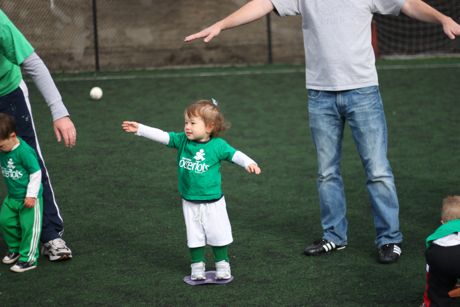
pixel 269 40
pixel 95 35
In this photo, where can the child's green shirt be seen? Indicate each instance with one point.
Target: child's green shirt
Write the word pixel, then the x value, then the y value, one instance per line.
pixel 198 166
pixel 16 167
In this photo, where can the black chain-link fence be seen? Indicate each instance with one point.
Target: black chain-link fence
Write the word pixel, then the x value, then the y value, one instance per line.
pixel 404 36
pixel 84 35
pixel 60 31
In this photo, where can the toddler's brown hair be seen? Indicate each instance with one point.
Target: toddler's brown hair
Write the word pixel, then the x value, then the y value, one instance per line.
pixel 7 126
pixel 211 115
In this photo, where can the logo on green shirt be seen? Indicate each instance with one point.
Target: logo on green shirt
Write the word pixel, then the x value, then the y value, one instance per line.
pixel 197 166
pixel 10 172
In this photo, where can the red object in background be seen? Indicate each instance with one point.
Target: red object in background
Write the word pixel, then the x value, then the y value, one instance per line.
pixel 375 40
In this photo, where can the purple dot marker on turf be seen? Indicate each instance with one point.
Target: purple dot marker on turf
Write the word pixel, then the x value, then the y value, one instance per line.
pixel 210 280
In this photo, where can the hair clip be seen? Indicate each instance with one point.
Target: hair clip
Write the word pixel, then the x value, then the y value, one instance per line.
pixel 214 102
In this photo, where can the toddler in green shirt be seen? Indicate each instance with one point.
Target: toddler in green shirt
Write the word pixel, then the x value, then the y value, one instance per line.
pixel 199 155
pixel 21 211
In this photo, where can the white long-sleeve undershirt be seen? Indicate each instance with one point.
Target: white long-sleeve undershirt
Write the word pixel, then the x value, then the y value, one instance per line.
pixel 153 134
pixel 33 187
pixel 242 159
pixel 449 240
pixel 162 137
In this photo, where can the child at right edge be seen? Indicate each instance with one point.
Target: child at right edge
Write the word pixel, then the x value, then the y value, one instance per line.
pixel 199 155
pixel 443 257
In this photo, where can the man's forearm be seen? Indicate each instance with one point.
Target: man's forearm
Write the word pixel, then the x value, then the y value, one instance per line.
pixel 247 13
pixel 41 76
pixel 419 10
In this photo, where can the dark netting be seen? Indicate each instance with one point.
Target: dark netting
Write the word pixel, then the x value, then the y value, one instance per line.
pixel 404 36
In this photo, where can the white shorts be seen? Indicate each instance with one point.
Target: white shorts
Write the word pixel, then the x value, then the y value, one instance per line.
pixel 207 223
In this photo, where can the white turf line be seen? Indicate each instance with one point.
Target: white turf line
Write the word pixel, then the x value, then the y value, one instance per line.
pixel 178 75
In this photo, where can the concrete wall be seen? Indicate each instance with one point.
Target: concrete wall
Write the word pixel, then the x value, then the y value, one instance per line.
pixel 147 33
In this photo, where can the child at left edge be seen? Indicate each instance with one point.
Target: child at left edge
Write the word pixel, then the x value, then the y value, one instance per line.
pixel 22 210
pixel 199 157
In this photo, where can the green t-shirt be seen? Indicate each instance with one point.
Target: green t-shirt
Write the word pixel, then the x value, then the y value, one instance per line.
pixel 445 229
pixel 16 167
pixel 198 166
pixel 14 49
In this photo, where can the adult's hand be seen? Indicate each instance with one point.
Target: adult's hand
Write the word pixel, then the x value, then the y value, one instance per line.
pixel 420 10
pixel 249 12
pixel 65 130
pixel 208 34
pixel 451 28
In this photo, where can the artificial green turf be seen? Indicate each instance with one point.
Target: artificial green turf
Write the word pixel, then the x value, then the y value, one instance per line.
pixel 118 195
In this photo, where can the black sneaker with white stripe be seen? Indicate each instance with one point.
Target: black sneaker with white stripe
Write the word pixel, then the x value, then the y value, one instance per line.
pixel 389 253
pixel 322 247
pixel 22 266
pixel 10 257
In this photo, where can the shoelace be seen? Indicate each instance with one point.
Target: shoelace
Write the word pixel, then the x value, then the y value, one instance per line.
pixel 59 243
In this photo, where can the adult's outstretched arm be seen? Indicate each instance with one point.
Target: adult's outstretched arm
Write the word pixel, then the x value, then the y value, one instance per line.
pixel 419 10
pixel 249 12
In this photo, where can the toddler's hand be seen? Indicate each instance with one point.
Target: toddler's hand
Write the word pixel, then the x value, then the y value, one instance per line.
pixel 253 168
pixel 29 202
pixel 130 126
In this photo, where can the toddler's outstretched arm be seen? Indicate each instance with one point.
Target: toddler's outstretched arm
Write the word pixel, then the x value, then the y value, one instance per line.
pixel 244 161
pixel 154 134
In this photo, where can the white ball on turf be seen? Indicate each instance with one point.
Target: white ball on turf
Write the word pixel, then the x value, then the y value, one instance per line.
pixel 95 93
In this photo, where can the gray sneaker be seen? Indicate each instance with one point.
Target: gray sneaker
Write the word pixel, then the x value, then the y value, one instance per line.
pixel 56 250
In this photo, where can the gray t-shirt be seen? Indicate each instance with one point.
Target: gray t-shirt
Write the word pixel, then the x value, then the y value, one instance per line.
pixel 337 40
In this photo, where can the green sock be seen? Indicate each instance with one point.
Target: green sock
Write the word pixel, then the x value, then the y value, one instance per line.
pixel 220 253
pixel 197 254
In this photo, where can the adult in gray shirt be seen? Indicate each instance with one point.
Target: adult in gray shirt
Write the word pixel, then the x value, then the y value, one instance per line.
pixel 342 84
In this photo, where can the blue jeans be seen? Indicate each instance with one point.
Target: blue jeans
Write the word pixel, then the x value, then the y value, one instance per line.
pixel 363 109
